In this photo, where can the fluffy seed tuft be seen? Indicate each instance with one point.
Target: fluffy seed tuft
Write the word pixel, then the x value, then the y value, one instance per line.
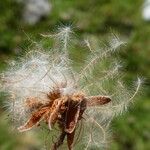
pixel 39 75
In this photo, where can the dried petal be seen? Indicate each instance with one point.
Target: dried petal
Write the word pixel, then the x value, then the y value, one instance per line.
pixel 54 112
pixel 34 120
pixel 72 117
pixel 97 100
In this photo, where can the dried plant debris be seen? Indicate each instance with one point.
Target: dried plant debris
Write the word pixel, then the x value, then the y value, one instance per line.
pixel 44 87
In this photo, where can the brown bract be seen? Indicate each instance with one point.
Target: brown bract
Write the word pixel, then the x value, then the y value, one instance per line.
pixel 66 111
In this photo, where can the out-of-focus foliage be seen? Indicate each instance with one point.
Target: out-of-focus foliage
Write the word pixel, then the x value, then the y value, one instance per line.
pixel 94 19
pixel 9 22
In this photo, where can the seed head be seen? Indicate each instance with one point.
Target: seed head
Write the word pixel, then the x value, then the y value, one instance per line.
pixel 45 86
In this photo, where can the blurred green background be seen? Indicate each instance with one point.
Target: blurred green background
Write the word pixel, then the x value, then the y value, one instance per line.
pixel 94 19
